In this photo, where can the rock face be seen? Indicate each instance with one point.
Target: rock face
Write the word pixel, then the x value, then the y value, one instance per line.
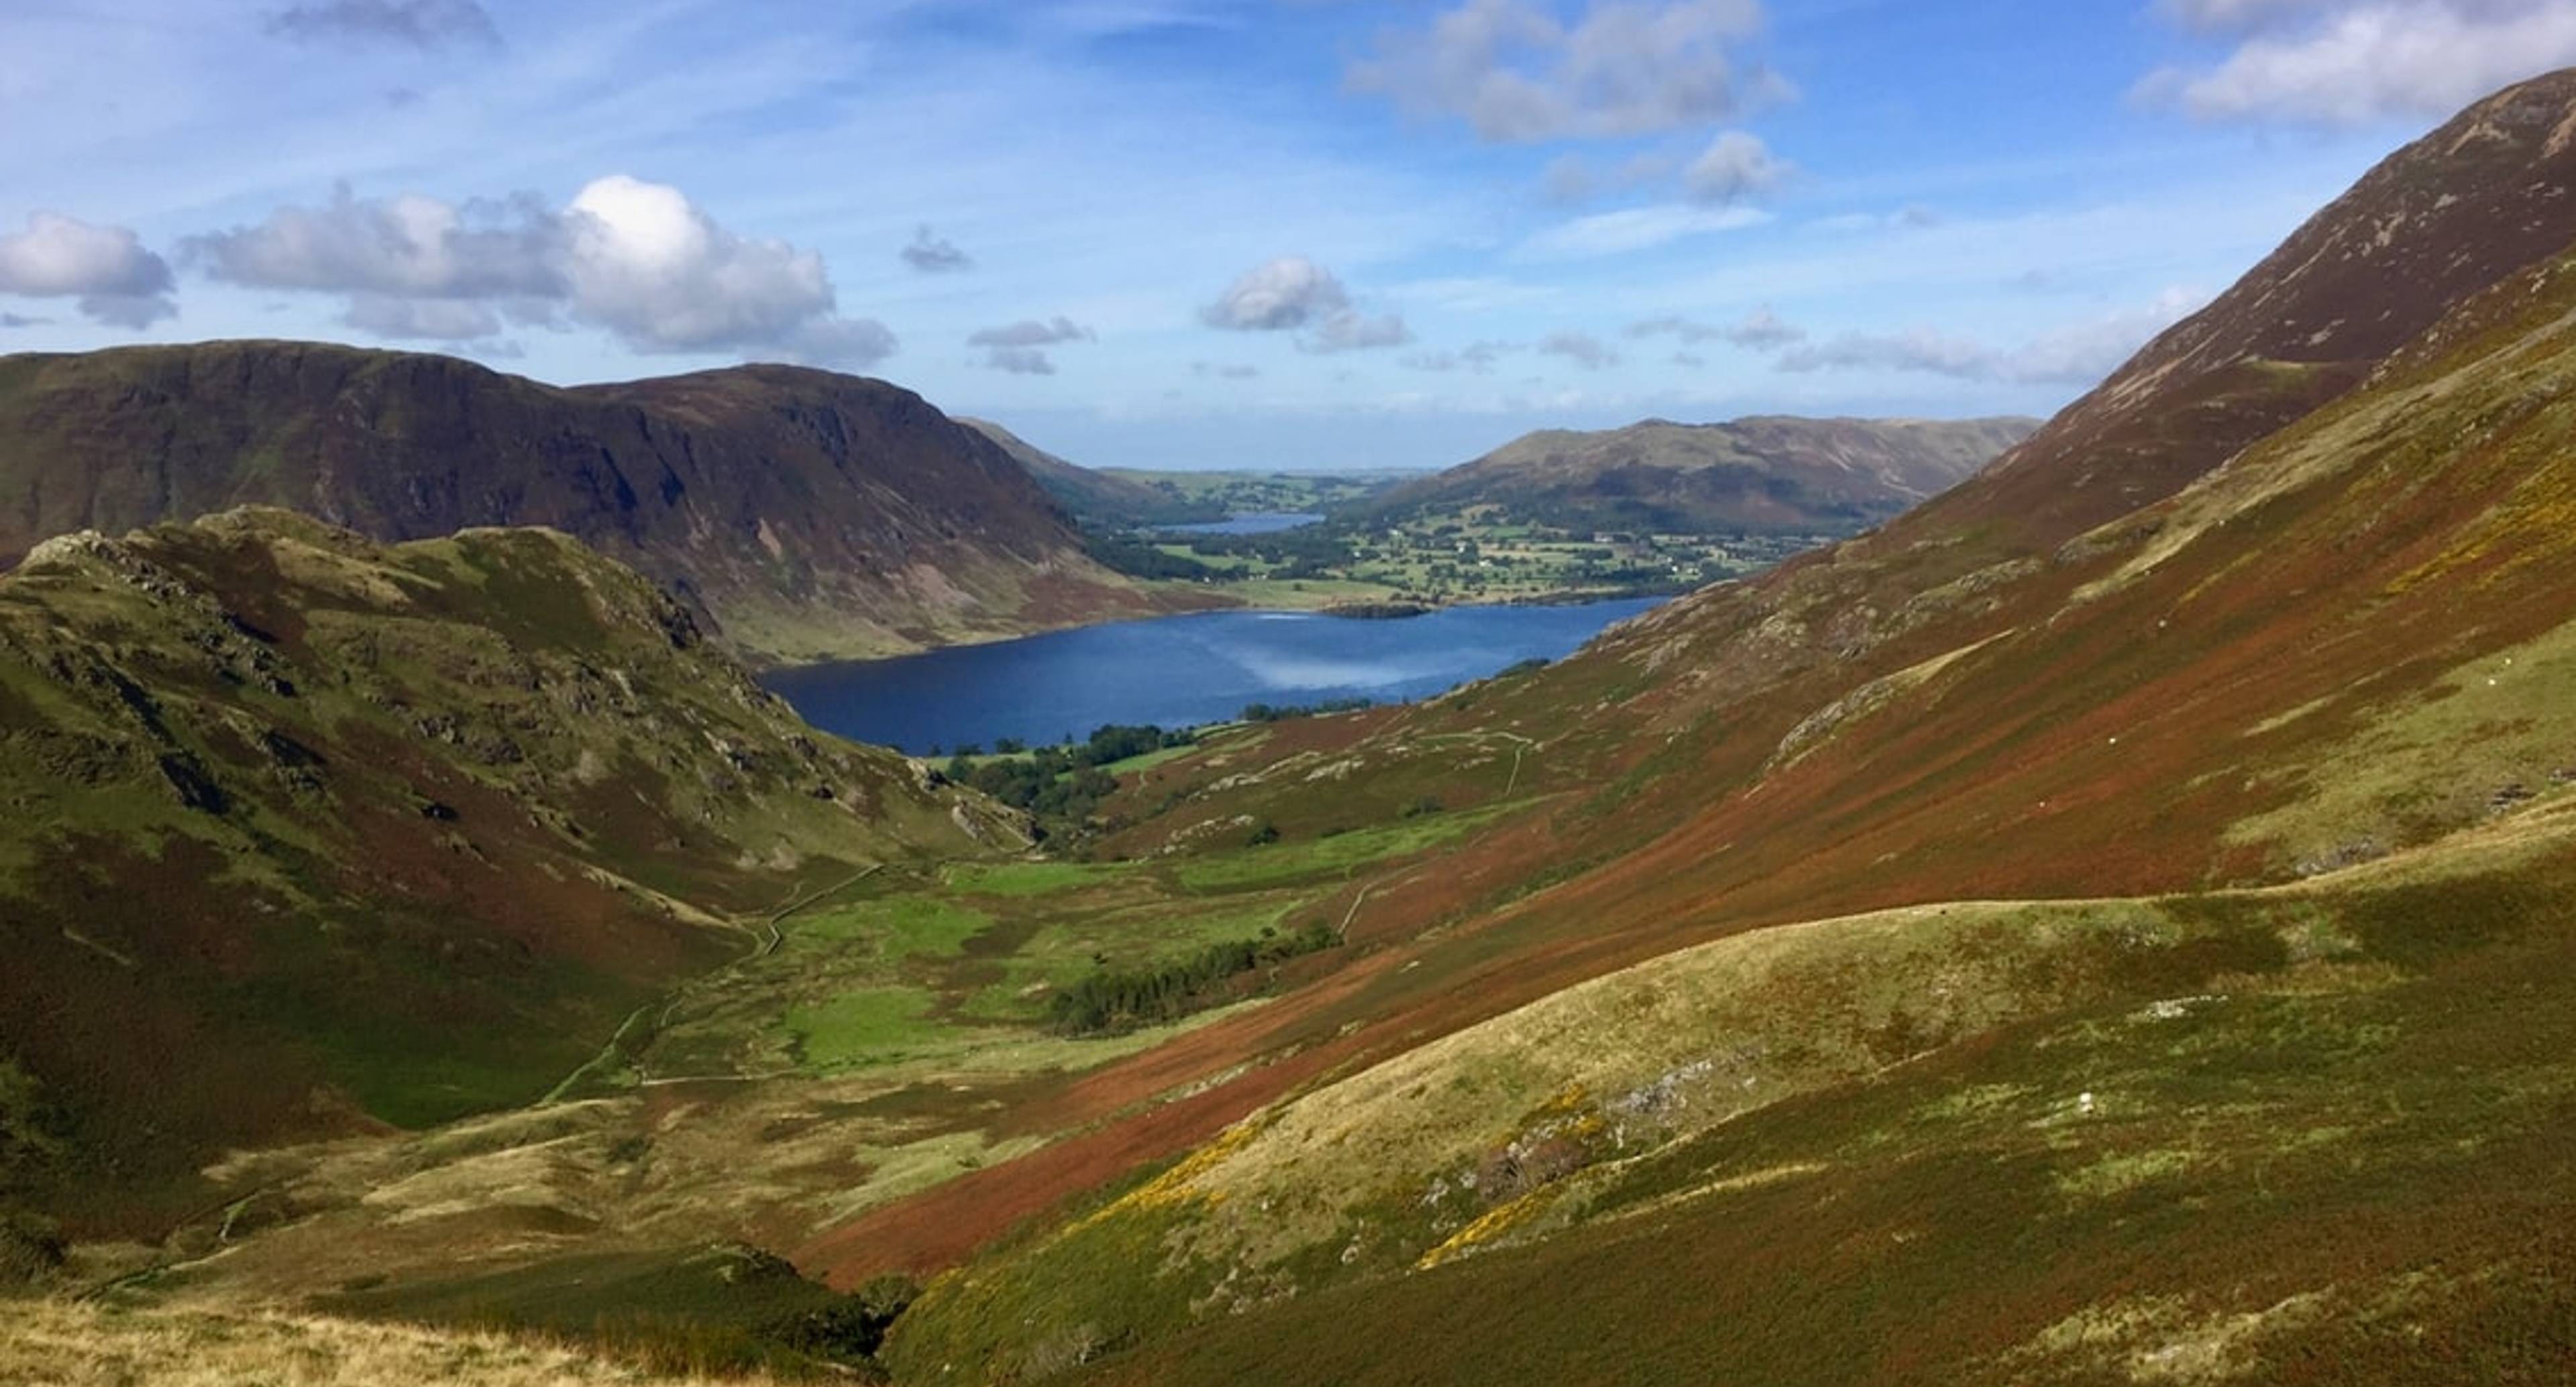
pixel 803 514
pixel 1776 474
pixel 301 833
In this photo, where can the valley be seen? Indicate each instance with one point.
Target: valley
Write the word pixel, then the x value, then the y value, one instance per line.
pixel 747 877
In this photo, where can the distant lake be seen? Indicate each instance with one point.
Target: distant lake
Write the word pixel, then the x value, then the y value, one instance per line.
pixel 1260 522
pixel 1176 671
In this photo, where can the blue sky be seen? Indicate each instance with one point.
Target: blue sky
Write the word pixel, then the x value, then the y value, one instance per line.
pixel 1268 233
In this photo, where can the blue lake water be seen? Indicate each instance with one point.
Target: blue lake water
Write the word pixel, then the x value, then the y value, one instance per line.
pixel 1177 671
pixel 1265 522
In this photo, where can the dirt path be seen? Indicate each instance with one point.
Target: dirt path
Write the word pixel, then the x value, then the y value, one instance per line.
pixel 767 937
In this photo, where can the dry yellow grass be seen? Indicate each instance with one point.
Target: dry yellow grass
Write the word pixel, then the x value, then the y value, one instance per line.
pixel 46 1343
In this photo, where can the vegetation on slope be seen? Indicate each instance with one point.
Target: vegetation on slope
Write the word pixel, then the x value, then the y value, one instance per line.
pixel 2084 678
pixel 308 834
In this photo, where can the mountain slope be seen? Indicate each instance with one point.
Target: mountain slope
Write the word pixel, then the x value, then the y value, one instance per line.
pixel 1755 474
pixel 1095 498
pixel 307 835
pixel 808 515
pixel 2176 669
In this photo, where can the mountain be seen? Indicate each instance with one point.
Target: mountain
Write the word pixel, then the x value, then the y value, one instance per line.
pixel 308 835
pixel 2106 925
pixel 1101 499
pixel 1756 474
pixel 805 515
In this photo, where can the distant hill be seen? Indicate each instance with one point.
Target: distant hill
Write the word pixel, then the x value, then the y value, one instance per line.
pixel 305 835
pixel 1103 500
pixel 805 514
pixel 1758 474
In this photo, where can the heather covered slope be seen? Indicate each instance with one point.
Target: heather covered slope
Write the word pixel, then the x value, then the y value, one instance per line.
pixel 1751 475
pixel 2347 639
pixel 806 514
pixel 2063 1103
pixel 2312 1134
pixel 307 835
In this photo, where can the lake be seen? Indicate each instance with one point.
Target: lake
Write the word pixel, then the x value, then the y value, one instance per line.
pixel 1176 671
pixel 1264 522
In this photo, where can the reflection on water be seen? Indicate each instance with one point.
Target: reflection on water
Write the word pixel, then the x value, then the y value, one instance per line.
pixel 1176 671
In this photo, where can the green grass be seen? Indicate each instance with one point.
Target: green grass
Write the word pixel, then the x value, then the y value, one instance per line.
pixel 901 927
pixel 1296 860
pixel 865 1025
pixel 1023 879
pixel 2144 1170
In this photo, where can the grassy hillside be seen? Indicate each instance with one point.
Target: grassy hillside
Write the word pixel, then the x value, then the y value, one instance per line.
pixel 2300 1135
pixel 802 514
pixel 2190 667
pixel 309 835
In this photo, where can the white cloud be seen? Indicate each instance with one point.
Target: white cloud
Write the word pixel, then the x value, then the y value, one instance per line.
pixel 1759 330
pixel 1475 357
pixel 106 268
pixel 1735 166
pixel 1516 72
pixel 2082 354
pixel 1293 292
pixel 635 258
pixel 935 254
pixel 1634 229
pixel 1285 293
pixel 2346 62
pixel 1583 349
pixel 1353 331
pixel 1019 348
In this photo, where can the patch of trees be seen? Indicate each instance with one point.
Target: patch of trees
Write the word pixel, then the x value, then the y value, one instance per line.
pixel 1137 559
pixel 1062 785
pixel 1114 1001
pixel 1269 712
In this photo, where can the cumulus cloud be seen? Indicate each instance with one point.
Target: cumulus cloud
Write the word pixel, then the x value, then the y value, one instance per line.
pixel 2082 354
pixel 105 268
pixel 1285 293
pixel 1516 72
pixel 425 24
pixel 934 254
pixel 1735 166
pixel 2345 62
pixel 1582 349
pixel 636 259
pixel 1759 330
pixel 1350 330
pixel 1020 348
pixel 1293 293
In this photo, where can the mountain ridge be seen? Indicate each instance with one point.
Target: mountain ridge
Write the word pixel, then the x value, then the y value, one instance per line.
pixel 804 514
pixel 1761 473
